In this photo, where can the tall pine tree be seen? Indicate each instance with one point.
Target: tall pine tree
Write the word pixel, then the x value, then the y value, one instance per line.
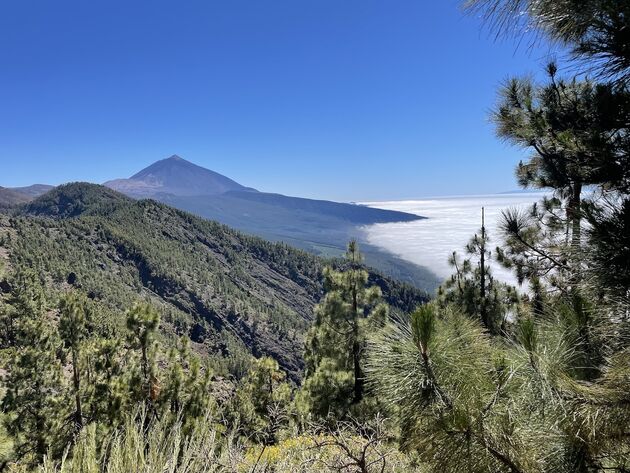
pixel 335 344
pixel 74 323
pixel 473 288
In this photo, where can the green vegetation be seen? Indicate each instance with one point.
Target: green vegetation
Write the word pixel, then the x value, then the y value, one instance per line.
pixel 335 344
pixel 473 289
pixel 478 380
pixel 110 305
pixel 78 379
pixel 229 293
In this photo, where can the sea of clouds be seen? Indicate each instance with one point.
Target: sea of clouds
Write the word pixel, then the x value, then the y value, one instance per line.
pixel 451 222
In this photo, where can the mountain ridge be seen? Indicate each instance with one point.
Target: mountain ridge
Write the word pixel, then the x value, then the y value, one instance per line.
pixel 320 227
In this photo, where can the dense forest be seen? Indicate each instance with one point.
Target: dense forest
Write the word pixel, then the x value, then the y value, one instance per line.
pixel 136 337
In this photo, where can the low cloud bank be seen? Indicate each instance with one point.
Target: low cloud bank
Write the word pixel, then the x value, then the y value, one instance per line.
pixel 451 222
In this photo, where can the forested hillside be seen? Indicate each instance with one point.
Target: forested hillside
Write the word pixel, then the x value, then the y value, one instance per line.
pixel 230 293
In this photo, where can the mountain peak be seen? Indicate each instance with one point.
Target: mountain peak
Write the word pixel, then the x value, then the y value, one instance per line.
pixel 177 176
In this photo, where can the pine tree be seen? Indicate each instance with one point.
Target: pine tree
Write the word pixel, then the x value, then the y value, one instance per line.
pixel 335 344
pixel 172 393
pixel 74 323
pixel 571 127
pixel 578 133
pixel 468 403
pixel 555 397
pixel 143 322
pixel 594 31
pixel 263 401
pixel 35 388
pixel 186 392
pixel 474 290
pixel 108 380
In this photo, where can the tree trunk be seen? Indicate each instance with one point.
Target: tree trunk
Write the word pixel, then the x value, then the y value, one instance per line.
pixel 482 275
pixel 358 372
pixel 574 214
pixel 356 349
pixel 78 414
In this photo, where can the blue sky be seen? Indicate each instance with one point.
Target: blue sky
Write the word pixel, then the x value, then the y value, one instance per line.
pixel 339 99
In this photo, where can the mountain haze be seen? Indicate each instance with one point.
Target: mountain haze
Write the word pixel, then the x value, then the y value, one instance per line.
pixel 12 196
pixel 177 177
pixel 34 190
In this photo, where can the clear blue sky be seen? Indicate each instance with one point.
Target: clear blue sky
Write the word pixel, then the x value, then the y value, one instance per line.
pixel 339 99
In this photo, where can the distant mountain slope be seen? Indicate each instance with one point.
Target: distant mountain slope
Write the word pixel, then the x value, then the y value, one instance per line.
pixel 267 217
pixel 228 292
pixel 34 190
pixel 318 226
pixel 175 176
pixel 10 197
pixel 324 234
pixel 353 213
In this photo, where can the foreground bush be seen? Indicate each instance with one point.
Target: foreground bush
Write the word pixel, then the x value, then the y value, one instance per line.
pixel 160 446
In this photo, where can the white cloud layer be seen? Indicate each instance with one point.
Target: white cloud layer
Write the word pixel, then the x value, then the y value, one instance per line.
pixel 451 222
